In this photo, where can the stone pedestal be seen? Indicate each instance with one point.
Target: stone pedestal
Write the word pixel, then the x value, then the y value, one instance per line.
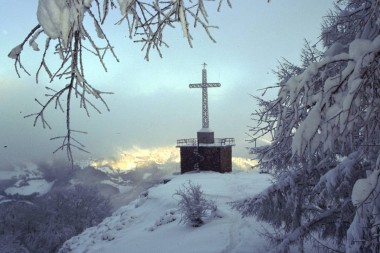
pixel 206 157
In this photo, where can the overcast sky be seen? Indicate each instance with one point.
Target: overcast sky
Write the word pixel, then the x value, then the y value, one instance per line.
pixel 153 105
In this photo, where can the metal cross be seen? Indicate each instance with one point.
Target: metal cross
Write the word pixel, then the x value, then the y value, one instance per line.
pixel 204 85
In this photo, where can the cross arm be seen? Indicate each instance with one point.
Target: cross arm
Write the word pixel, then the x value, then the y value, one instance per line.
pixel 204 85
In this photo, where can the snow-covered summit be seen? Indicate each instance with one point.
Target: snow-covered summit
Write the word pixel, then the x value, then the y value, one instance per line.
pixel 151 222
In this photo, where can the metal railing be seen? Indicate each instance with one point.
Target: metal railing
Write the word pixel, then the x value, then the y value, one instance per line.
pixel 217 142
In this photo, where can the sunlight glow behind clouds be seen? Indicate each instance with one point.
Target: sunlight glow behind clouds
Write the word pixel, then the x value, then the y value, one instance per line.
pixel 135 158
pixel 152 105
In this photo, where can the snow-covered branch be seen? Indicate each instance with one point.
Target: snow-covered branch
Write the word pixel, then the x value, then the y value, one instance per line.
pixel 325 149
pixel 62 22
pixel 147 21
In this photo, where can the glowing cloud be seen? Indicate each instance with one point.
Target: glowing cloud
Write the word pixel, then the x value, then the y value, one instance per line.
pixel 136 158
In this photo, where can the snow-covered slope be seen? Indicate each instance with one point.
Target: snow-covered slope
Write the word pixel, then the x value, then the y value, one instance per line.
pixel 151 222
pixel 25 180
pixel 39 186
pixel 28 170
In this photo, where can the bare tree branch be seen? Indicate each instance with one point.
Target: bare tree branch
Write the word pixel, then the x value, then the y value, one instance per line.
pixel 146 22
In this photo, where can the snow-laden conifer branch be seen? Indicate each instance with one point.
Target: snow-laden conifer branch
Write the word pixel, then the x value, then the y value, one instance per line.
pixel 325 152
pixel 302 231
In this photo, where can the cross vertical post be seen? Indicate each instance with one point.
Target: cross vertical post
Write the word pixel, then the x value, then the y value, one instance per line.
pixel 205 153
pixel 205 118
pixel 204 85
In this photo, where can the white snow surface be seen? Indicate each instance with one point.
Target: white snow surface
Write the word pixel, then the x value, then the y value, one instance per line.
pixel 124 4
pixel 122 188
pixel 205 130
pixel 151 222
pixel 364 187
pixel 29 180
pixel 27 170
pixel 15 52
pixel 59 18
pixel 39 186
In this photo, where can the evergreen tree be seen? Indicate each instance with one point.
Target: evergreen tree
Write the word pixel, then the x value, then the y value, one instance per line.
pixel 324 153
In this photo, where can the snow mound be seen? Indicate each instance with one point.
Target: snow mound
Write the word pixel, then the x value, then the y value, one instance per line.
pixel 151 222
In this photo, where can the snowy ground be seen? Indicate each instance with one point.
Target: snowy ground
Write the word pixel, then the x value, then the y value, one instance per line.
pixel 29 169
pixel 151 222
pixel 39 186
